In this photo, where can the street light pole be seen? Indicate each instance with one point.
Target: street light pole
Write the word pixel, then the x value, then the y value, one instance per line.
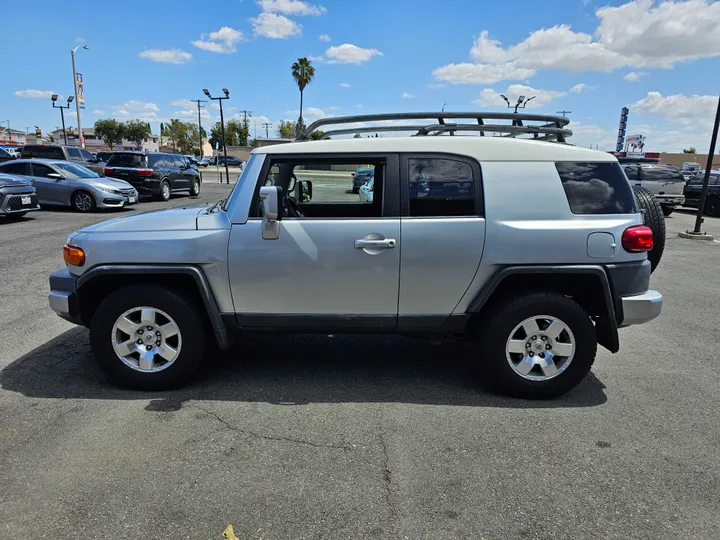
pixel 77 101
pixel 62 113
pixel 706 179
pixel 198 101
pixel 222 126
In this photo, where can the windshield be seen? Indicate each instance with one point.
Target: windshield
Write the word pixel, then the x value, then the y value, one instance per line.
pixel 76 171
pixel 248 171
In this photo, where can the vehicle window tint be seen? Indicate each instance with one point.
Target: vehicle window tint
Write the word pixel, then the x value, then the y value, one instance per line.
pixel 596 188
pixel 49 152
pixel 441 187
pixel 41 170
pixel 178 162
pixel 16 168
pixel 73 153
pixel 127 160
pixel 660 173
pixel 4 154
pixel 631 173
pixel 87 156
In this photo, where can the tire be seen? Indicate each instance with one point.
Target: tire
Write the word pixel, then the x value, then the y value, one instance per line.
pixel 712 207
pixel 538 383
pixel 653 218
pixel 171 364
pixel 12 217
pixel 667 210
pixel 195 190
pixel 164 192
pixel 83 201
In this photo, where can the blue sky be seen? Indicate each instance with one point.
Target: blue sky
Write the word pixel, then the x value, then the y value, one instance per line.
pixel 591 57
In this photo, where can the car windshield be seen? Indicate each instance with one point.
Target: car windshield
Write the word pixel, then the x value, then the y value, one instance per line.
pixel 249 171
pixel 71 170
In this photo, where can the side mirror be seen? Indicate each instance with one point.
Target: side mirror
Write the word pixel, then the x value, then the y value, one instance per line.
pixel 272 211
pixel 304 191
pixel 56 176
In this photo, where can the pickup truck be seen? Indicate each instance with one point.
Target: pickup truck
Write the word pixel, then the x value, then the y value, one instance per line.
pixel 664 183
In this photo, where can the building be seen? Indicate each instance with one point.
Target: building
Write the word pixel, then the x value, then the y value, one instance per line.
pixel 12 137
pixel 93 143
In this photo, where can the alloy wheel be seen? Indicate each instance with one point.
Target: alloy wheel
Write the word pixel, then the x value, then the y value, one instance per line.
pixel 540 348
pixel 146 339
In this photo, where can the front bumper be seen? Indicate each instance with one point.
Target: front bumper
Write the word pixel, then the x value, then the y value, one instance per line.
pixel 11 201
pixel 63 296
pixel 641 308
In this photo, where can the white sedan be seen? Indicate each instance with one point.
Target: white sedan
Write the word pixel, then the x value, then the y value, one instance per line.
pixel 366 191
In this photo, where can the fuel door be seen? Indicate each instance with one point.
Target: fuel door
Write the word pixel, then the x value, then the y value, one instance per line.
pixel 601 245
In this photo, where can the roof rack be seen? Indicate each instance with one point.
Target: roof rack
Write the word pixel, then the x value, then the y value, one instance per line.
pixel 550 128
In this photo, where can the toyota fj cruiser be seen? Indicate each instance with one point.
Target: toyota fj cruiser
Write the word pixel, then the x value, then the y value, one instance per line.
pixel 532 250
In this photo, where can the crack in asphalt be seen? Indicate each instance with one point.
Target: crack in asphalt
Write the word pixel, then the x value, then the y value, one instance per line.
pixel 387 477
pixel 231 427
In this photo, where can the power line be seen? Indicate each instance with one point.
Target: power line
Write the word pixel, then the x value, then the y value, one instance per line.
pixel 564 113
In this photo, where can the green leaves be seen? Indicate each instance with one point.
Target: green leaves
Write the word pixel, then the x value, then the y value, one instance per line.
pixel 111 131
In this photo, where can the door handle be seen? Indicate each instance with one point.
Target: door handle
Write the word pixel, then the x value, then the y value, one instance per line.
pixel 375 244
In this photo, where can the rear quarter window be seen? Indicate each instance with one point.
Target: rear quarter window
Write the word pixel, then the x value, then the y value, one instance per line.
pixel 596 188
pixel 127 160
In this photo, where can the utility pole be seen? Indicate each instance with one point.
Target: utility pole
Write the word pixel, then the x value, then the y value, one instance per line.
pixel 708 168
pixel 245 124
pixel 199 101
pixel 267 126
pixel 77 95
pixel 564 113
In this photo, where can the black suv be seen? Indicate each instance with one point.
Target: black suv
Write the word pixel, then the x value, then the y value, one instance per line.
pixel 693 191
pixel 155 174
pixel 66 153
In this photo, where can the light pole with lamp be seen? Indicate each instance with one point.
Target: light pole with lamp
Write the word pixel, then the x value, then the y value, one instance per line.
pixel 62 114
pixel 77 101
pixel 521 102
pixel 706 178
pixel 222 126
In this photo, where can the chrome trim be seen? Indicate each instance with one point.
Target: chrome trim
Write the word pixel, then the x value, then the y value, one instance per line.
pixel 60 302
pixel 641 308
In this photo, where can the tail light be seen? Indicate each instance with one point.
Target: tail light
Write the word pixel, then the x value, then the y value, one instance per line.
pixel 109 171
pixel 144 172
pixel 636 239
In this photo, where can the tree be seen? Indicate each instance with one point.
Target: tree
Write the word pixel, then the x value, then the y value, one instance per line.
pixel 690 150
pixel 216 134
pixel 286 129
pixel 357 136
pixel 316 135
pixel 111 131
pixel 241 132
pixel 136 131
pixel 184 135
pixel 303 72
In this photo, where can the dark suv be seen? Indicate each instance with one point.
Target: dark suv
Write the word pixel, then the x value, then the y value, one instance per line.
pixel 693 190
pixel 155 174
pixel 66 153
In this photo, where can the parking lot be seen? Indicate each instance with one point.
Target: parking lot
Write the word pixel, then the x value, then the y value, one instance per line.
pixel 350 437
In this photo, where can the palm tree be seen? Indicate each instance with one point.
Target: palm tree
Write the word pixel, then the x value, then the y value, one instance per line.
pixel 303 72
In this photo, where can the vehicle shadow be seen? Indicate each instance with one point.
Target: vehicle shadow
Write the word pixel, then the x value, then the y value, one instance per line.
pixel 291 370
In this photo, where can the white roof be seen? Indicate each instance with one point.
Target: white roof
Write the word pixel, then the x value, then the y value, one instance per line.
pixel 481 148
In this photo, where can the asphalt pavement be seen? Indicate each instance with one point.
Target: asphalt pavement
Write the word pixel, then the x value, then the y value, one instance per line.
pixel 351 437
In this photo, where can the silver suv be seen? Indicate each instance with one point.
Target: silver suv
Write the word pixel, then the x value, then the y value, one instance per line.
pixel 534 251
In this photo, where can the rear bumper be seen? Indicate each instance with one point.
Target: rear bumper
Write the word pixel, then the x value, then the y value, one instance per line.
pixel 670 200
pixel 641 308
pixel 63 296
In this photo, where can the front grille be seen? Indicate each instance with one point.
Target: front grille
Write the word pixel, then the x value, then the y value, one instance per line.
pixel 14 203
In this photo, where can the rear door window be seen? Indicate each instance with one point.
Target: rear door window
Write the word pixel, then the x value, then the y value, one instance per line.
pixel 660 174
pixel 73 154
pixel 596 188
pixel 22 169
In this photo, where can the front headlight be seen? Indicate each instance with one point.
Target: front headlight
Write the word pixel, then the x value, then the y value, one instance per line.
pixel 113 191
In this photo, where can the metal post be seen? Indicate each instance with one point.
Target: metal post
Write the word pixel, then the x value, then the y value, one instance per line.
pixel 199 101
pixel 77 100
pixel 62 116
pixel 706 180
pixel 222 130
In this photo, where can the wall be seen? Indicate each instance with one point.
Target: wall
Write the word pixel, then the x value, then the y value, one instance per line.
pixel 678 159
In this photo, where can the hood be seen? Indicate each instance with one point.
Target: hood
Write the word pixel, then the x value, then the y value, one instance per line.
pixel 112 183
pixel 7 180
pixel 172 219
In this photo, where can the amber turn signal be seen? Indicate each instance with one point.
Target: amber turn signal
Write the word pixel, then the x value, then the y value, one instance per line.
pixel 73 255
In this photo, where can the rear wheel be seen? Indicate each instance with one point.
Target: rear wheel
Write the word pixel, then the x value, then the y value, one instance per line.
pixel 82 201
pixel 196 187
pixel 712 207
pixel 539 345
pixel 653 217
pixel 164 193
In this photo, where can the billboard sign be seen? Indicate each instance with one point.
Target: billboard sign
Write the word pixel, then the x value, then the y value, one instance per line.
pixel 80 91
pixel 621 129
pixel 635 145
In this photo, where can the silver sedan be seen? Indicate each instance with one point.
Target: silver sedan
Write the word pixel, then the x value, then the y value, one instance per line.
pixel 64 183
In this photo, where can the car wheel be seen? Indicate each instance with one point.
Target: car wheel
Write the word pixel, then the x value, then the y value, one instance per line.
pixel 712 207
pixel 653 218
pixel 356 190
pixel 164 193
pixel 538 346
pixel 196 187
pixel 148 337
pixel 82 201
pixel 667 210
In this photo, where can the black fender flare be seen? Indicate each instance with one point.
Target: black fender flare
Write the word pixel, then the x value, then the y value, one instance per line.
pixel 606 325
pixel 203 287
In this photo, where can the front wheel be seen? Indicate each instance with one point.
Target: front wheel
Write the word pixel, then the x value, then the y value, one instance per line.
pixel 82 201
pixel 148 337
pixel 712 207
pixel 538 345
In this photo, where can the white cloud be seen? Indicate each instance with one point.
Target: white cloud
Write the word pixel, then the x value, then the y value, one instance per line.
pixel 221 41
pixel 271 25
pixel 183 103
pixel 324 37
pixel 316 58
pixel 290 7
pixel 309 113
pixel 435 86
pixel 407 95
pixel 34 93
pixel 581 87
pixel 345 85
pixel 135 105
pixel 639 33
pixel 489 97
pixel 634 76
pixel 333 108
pixel 676 106
pixel 79 40
pixel 99 112
pixel 215 106
pixel 350 54
pixel 168 56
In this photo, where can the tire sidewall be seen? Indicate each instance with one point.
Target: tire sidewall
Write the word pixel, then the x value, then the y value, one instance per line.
pixel 196 184
pixel 162 195
pixel 184 314
pixel 77 208
pixel 498 332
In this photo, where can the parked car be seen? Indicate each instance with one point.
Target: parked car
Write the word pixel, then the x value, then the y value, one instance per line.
pixel 693 192
pixel 366 191
pixel 665 183
pixel 64 153
pixel 14 151
pixel 5 155
pixel 17 196
pixel 104 156
pixel 232 161
pixel 155 173
pixel 203 162
pixel 535 283
pixel 62 183
pixel 360 177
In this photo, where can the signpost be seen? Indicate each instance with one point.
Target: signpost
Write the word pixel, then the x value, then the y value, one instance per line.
pixel 635 146
pixel 621 130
